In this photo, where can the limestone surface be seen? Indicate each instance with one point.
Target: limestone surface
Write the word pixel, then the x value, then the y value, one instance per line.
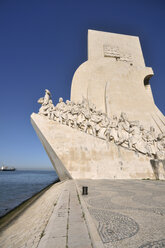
pixel 111 127
pixel 84 156
pixel 116 80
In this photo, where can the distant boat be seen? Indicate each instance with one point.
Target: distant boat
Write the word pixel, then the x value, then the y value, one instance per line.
pixel 6 168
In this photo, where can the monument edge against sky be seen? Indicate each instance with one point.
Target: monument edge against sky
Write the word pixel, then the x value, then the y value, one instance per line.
pixel 77 137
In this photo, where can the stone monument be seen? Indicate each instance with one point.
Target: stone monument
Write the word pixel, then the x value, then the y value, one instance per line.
pixel 111 128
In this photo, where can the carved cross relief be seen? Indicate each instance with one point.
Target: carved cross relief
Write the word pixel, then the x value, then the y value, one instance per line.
pixel 114 52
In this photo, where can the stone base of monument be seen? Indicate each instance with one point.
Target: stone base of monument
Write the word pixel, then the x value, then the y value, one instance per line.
pixel 77 155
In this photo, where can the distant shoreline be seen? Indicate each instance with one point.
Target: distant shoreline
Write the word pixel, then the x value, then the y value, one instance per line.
pixel 18 169
pixel 6 219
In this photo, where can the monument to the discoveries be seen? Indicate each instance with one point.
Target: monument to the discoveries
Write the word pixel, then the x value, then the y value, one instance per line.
pixel 111 127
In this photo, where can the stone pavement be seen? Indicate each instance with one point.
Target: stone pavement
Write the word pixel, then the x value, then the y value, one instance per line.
pixel 127 213
pixel 56 219
pixel 67 226
pixel 115 214
pixel 26 230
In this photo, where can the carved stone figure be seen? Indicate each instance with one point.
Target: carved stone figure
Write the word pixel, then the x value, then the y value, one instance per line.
pixel 140 145
pixel 46 104
pixel 135 134
pixel 107 133
pixel 123 130
pixel 103 127
pixel 160 153
pixel 50 109
pixel 95 120
pixel 81 120
pixel 150 138
pixel 88 123
pixel 61 104
pixel 56 113
pixel 114 129
pixel 47 97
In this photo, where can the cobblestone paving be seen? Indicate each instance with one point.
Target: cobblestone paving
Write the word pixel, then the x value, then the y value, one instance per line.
pixel 127 213
pixel 155 244
pixel 113 226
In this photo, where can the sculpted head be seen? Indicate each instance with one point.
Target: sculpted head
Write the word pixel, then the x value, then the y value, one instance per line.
pixel 152 129
pixel 123 116
pixel 141 128
pixel 79 103
pixel 60 99
pixel 134 124
pixel 160 136
pixel 114 117
pixel 99 112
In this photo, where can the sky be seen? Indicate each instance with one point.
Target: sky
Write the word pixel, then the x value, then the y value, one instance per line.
pixel 42 43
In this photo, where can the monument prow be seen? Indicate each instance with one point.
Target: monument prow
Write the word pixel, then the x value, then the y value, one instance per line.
pixel 78 155
pixel 43 134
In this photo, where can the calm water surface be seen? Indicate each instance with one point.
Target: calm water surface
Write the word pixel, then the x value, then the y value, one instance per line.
pixel 18 186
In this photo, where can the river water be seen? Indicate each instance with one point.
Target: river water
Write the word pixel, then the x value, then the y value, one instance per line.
pixel 18 186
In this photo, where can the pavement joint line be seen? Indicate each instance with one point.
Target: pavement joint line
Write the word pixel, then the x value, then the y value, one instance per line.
pixel 68 222
pixel 92 230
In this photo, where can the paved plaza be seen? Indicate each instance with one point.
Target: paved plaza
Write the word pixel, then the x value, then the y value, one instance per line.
pixel 67 227
pixel 127 213
pixel 114 214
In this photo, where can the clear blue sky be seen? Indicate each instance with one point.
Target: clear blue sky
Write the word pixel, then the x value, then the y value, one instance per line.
pixel 41 45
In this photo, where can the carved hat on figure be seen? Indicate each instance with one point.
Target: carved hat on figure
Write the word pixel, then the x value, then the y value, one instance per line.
pixel 47 91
